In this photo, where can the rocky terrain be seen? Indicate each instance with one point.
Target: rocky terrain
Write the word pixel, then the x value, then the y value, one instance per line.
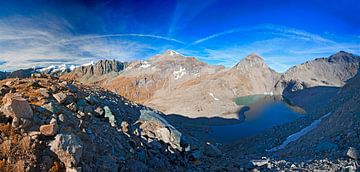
pixel 51 125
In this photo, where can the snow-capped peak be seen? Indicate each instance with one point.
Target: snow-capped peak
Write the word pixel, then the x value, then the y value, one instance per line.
pixel 88 64
pixel 172 53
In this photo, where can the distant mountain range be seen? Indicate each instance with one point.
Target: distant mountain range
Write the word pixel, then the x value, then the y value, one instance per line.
pixel 176 84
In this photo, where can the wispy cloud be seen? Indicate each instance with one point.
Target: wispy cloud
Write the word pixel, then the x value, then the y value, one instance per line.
pixel 274 29
pixel 184 12
pixel 26 42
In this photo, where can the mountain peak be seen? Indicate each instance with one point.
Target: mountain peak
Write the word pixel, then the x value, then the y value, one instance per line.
pixel 254 57
pixel 252 60
pixel 342 56
pixel 171 53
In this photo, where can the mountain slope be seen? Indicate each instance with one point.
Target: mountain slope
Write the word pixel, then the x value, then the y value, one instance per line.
pixel 311 85
pixel 51 125
pixel 331 71
pixel 337 133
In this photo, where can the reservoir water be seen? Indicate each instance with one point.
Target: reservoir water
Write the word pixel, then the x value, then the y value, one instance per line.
pixel 258 113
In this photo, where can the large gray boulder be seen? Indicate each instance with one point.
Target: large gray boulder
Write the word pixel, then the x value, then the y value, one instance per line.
pixel 154 126
pixel 16 106
pixel 68 148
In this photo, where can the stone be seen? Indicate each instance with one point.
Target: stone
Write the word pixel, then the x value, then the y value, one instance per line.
pixel 261 162
pixel 62 117
pixel 352 153
pixel 100 111
pixel 4 89
pixel 63 98
pixel 72 106
pixel 68 148
pixel 16 106
pixel 93 100
pixel 50 129
pixel 124 126
pixel 50 107
pixel 108 114
pixel 154 126
pixel 44 92
pixel 211 150
pixel 60 97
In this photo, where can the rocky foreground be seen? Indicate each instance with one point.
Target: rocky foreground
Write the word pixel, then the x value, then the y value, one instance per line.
pixel 50 125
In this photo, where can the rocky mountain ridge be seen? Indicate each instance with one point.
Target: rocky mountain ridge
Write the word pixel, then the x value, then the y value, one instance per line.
pixel 177 84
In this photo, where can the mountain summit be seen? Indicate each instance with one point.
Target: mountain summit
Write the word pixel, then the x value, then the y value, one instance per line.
pixel 251 61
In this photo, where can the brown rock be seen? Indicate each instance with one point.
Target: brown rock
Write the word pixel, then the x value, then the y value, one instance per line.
pixel 16 106
pixel 49 129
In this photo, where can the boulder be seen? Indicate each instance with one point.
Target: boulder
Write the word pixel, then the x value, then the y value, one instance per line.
pixel 211 150
pixel 261 162
pixel 68 148
pixel 50 129
pixel 124 126
pixel 154 126
pixel 108 114
pixel 93 100
pixel 44 92
pixel 352 153
pixel 4 89
pixel 100 111
pixel 63 98
pixel 16 106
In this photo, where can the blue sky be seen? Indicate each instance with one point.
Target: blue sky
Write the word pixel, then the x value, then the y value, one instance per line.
pixel 284 33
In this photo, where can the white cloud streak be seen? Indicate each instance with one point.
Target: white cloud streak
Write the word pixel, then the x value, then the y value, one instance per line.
pixel 275 29
pixel 26 42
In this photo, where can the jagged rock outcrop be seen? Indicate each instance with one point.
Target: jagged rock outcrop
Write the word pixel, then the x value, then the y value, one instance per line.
pixel 95 72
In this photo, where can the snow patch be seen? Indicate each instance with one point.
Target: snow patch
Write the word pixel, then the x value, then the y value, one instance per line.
pixel 55 68
pixel 299 134
pixel 173 53
pixel 88 64
pixel 212 95
pixel 180 73
pixel 145 64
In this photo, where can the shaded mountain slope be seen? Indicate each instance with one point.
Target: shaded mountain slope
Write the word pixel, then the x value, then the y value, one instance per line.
pixel 337 133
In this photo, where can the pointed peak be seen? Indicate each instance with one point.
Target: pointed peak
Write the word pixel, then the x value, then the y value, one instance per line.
pixel 342 56
pixel 341 53
pixel 252 60
pixel 254 57
pixel 171 53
